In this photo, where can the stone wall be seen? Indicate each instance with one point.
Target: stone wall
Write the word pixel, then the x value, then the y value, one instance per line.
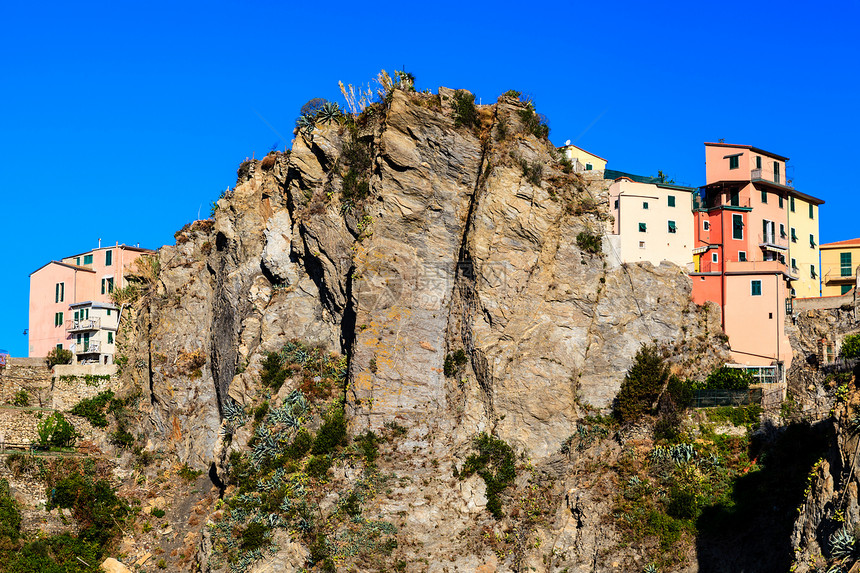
pixel 28 374
pixel 74 382
pixel 825 302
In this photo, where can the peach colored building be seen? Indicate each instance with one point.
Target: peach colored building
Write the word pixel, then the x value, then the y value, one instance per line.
pixel 653 220
pixel 743 253
pixel 70 302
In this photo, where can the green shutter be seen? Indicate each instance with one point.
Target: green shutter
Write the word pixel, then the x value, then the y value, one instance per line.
pixel 103 286
pixel 641 227
pixel 791 201
pixel 846 289
pixel 780 201
pixel 793 235
pixel 108 258
pixel 737 227
pixel 763 196
pixel 811 211
pixel 755 288
pixel 110 337
pixel 88 260
pixel 811 241
pixel 845 264
pixel 672 227
pixel 671 200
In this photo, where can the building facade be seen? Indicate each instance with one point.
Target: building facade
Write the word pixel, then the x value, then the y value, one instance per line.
pixel 653 221
pixel 839 264
pixel 70 303
pixel 756 247
pixel 582 160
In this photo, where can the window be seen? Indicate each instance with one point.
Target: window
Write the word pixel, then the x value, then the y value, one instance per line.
pixel 588 167
pixel 735 198
pixel 742 256
pixel 78 261
pixel 845 264
pixel 811 211
pixel 706 225
pixel 59 347
pixel 110 337
pixel 734 161
pixel 107 285
pixel 644 204
pixel 763 196
pixel 846 289
pixel 794 264
pixel 793 235
pixel 108 312
pixel 812 273
pixel 758 162
pixel 755 288
pixel 791 204
pixel 812 244
pixel 60 292
pixel 776 176
pixel 616 203
pixel 780 202
pixel 737 227
pixel 88 260
pixel 781 231
pixel 672 227
pixel 671 200
pixel 58 319
pixel 642 228
pixel 108 257
pixel 641 244
pixel 715 258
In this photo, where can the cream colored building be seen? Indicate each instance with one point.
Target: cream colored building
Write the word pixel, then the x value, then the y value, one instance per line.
pixel 653 221
pixel 582 160
pixel 839 262
pixel 803 248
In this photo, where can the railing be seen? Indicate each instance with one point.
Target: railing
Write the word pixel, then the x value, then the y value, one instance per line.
pixel 713 398
pixel 741 266
pixel 769 175
pixel 85 324
pixel 87 347
pixel 835 275
pixel 771 241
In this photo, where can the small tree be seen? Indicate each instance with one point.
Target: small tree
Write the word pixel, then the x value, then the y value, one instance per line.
pixel 726 378
pixel 58 356
pixel 56 431
pixel 850 346
pixel 641 386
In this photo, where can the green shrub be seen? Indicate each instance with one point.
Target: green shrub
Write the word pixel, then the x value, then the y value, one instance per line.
pixel 726 378
pixel 58 356
pixel 641 386
pixel 331 434
pixel 367 443
pixel 532 171
pixel 254 536
pixel 301 445
pixel 93 409
pixel 589 242
pixel 273 373
pixel 355 187
pixel 454 362
pixel 318 466
pixel 122 438
pixel 21 398
pixel 10 517
pixel 850 346
pixel 188 474
pixel 94 506
pixel 681 392
pixel 683 503
pixel 465 112
pixel 158 513
pixel 56 431
pixel 533 122
pixel 494 462
pixel 737 415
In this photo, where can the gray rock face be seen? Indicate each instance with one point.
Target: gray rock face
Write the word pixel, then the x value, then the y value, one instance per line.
pixel 467 241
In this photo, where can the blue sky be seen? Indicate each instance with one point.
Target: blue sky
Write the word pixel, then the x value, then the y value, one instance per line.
pixel 123 121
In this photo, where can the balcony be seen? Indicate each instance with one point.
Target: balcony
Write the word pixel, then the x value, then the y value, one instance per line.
pixel 772 242
pixel 769 176
pixel 83 325
pixel 835 276
pixel 755 266
pixel 92 347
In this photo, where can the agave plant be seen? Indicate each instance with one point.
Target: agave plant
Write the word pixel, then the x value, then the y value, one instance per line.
pixel 329 112
pixel 842 544
pixel 234 414
pixel 682 453
pixel 650 568
pixel 306 124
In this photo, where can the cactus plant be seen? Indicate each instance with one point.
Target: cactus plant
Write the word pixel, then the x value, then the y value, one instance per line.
pixel 842 544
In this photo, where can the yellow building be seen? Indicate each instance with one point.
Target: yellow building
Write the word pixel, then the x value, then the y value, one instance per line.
pixel 582 160
pixel 803 248
pixel 839 262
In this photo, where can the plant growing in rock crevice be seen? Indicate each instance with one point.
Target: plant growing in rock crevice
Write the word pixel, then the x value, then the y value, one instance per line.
pixel 494 462
pixel 465 112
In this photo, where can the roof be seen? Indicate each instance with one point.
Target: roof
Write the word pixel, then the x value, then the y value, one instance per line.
pixel 837 244
pixel 585 150
pixel 93 304
pixel 124 247
pixel 750 147
pixel 658 181
pixel 62 264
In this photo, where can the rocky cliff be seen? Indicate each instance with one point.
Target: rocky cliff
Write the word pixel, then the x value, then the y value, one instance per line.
pixel 463 273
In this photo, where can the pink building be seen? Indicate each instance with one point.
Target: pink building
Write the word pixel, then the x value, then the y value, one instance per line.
pixel 70 302
pixel 744 258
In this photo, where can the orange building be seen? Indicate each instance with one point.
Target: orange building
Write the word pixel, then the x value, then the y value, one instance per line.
pixel 70 303
pixel 741 259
